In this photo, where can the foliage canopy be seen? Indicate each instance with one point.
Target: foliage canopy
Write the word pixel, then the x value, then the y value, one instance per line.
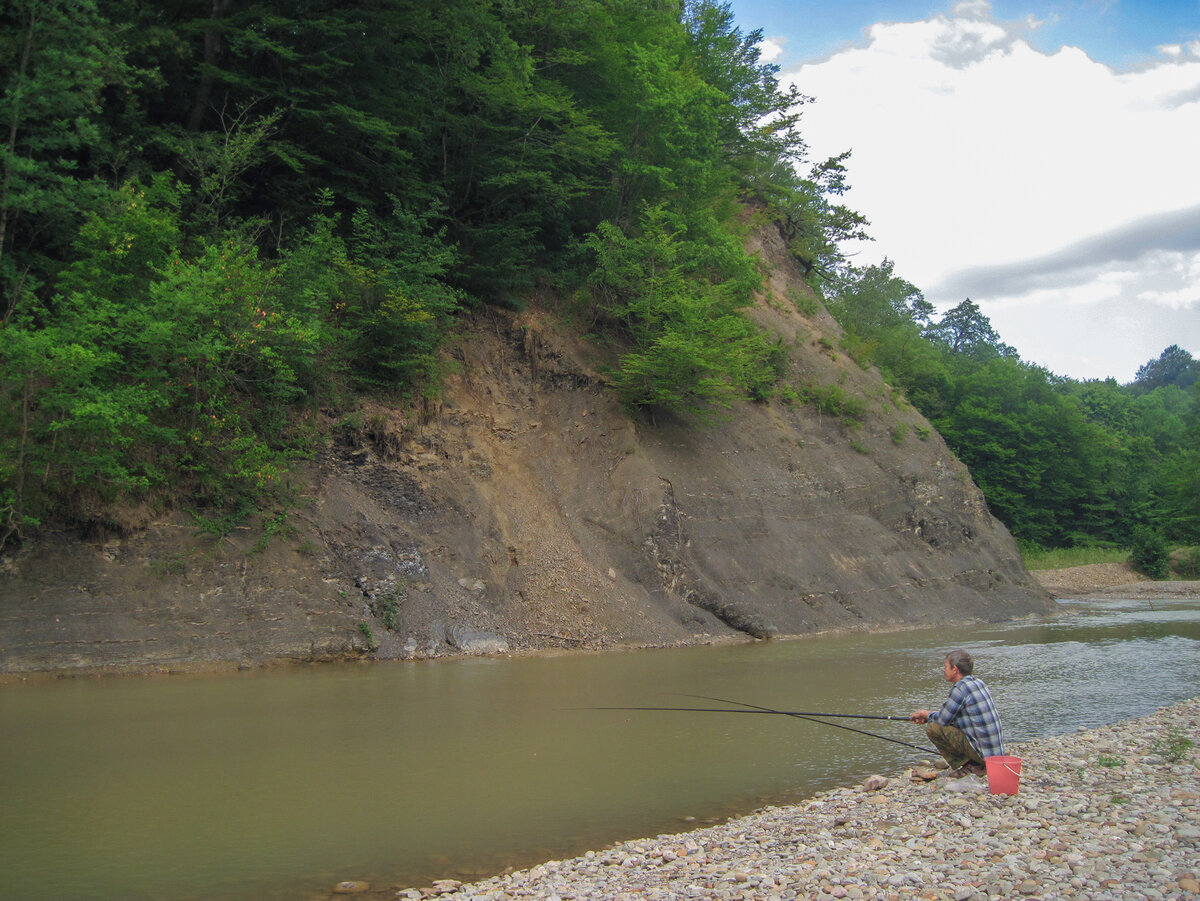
pixel 1060 462
pixel 215 220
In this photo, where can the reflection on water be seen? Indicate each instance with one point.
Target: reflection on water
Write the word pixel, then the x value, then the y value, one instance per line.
pixel 279 784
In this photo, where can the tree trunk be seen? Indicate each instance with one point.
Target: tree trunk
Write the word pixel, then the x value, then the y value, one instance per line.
pixel 212 52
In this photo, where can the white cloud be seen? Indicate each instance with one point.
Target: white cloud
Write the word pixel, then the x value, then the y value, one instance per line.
pixel 771 49
pixel 992 170
pixel 1178 283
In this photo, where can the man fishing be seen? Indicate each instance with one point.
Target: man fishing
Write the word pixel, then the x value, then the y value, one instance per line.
pixel 966 730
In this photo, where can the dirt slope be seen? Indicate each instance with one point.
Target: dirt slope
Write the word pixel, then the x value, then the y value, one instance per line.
pixel 528 511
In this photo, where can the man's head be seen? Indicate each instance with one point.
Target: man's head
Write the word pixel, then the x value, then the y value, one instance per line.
pixel 958 664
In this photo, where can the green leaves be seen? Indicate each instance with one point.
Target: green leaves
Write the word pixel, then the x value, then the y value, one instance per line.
pixel 344 178
pixel 1059 461
pixel 57 57
pixel 675 289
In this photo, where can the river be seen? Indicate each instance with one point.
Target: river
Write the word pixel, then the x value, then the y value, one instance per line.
pixel 277 784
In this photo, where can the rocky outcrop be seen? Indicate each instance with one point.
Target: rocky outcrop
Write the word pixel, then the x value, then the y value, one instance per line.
pixel 526 510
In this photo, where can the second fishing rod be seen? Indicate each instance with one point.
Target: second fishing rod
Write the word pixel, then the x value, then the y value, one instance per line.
pixel 811 717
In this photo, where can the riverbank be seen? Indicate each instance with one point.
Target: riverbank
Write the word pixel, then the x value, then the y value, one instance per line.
pixel 1106 814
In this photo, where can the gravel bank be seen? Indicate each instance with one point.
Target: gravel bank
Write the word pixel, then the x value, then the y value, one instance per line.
pixel 1110 580
pixel 1081 581
pixel 1101 815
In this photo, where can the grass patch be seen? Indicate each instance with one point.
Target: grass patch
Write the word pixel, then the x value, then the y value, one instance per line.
pixel 1110 760
pixel 1174 747
pixel 806 304
pixel 389 608
pixel 368 636
pixel 1061 558
pixel 170 565
pixel 833 400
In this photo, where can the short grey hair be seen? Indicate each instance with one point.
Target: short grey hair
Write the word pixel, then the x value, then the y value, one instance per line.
pixel 961 661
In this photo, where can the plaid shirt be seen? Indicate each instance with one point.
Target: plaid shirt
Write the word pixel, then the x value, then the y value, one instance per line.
pixel 970 708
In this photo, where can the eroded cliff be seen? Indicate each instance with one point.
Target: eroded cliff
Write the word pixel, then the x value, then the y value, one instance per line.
pixel 526 510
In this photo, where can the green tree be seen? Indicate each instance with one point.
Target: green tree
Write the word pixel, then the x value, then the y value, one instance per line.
pixel 675 291
pixel 758 119
pixel 966 330
pixel 884 316
pixel 812 222
pixel 1180 478
pixel 1148 552
pixel 57 56
pixel 1174 366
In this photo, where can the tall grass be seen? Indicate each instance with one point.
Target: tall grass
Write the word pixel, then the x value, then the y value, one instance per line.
pixel 1061 558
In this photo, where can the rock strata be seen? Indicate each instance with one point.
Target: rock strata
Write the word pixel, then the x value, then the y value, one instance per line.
pixel 1104 815
pixel 526 510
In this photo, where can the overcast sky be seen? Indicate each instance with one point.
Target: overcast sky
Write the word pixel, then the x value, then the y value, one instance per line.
pixel 1038 157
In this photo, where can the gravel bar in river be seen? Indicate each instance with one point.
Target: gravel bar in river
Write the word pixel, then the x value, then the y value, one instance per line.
pixel 1103 814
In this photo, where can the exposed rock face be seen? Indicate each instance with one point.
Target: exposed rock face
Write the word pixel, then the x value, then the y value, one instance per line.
pixel 528 511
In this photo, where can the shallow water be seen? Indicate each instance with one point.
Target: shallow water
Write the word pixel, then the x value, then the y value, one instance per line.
pixel 278 784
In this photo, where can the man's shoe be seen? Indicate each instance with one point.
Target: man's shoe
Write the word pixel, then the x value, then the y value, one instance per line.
pixel 967 769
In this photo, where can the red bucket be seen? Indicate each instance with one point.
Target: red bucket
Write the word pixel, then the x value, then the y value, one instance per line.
pixel 1004 774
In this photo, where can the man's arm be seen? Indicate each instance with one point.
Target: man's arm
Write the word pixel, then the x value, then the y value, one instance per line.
pixel 950 709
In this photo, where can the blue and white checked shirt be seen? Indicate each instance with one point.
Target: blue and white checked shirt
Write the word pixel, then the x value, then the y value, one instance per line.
pixel 970 708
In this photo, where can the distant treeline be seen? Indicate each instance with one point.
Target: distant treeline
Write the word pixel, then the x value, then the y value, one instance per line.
pixel 220 222
pixel 1061 462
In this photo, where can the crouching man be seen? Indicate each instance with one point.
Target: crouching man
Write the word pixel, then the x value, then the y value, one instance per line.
pixel 967 727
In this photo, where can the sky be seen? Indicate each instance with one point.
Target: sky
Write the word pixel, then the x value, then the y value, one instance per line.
pixel 1040 158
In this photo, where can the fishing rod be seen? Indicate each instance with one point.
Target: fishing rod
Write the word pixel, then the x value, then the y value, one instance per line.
pixel 755 708
pixel 812 719
pixel 735 710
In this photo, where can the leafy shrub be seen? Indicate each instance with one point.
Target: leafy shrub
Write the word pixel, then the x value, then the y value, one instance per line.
pixel 674 289
pixel 1148 552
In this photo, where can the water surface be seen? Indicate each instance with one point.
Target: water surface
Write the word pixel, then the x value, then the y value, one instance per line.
pixel 278 784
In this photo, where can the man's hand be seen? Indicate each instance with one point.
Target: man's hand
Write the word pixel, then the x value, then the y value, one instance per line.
pixel 919 716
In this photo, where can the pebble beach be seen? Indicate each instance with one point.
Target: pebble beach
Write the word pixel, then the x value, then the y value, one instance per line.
pixel 1103 814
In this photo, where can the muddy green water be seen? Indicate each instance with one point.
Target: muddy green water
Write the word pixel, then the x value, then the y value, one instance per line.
pixel 279 784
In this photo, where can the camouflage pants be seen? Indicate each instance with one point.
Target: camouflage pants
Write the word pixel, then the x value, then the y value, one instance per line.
pixel 952 743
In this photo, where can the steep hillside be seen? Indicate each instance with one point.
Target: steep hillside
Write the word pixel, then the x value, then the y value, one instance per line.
pixel 526 510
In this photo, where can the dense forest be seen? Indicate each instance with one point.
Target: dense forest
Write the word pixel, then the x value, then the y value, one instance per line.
pixel 1061 462
pixel 223 224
